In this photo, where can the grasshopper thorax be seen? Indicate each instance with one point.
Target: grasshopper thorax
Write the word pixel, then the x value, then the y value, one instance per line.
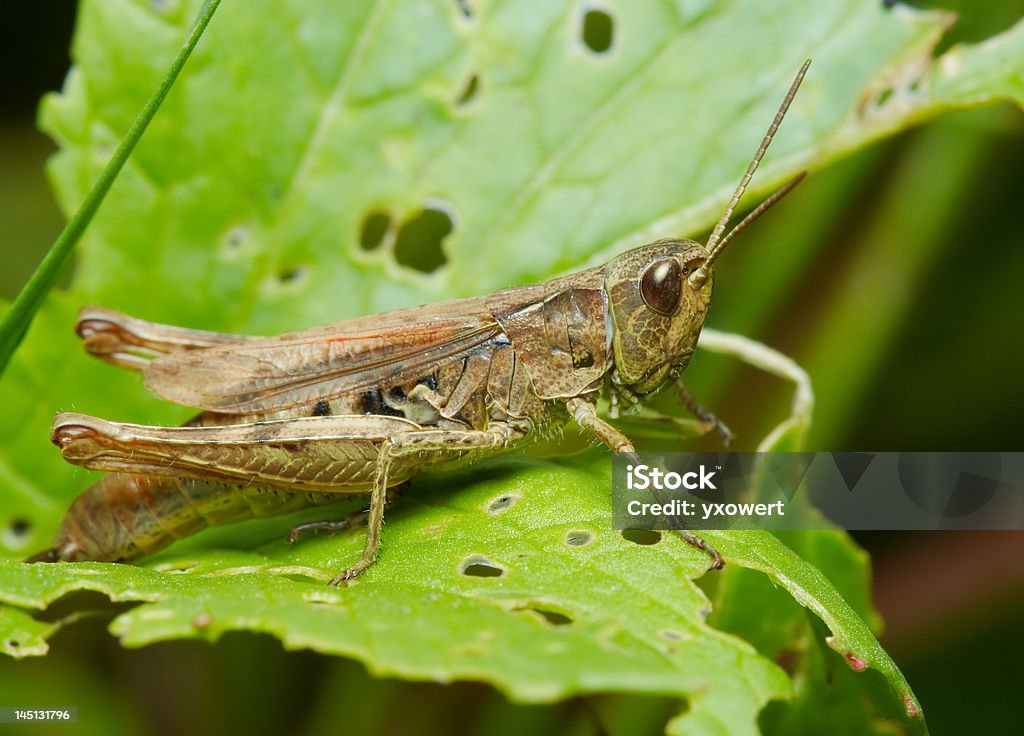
pixel 656 311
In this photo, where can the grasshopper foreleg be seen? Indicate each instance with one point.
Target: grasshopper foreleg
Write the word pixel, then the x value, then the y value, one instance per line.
pixel 585 414
pixel 703 414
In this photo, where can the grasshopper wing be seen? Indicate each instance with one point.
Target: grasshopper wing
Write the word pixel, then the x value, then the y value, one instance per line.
pixel 301 368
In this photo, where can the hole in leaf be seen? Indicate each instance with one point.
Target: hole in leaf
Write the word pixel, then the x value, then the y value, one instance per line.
pixel 501 503
pixel 418 245
pixel 17 534
pixel 469 91
pixel 12 643
pixel 578 538
pixel 481 570
pixel 548 614
pixel 598 30
pixel 883 96
pixel 375 227
pixel 464 9
pixel 641 536
pixel 234 240
pixel 291 275
pixel 479 566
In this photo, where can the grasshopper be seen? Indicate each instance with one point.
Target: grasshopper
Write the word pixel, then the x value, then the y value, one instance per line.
pixel 363 405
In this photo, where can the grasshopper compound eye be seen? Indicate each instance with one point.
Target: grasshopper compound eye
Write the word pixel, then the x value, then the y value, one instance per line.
pixel 661 286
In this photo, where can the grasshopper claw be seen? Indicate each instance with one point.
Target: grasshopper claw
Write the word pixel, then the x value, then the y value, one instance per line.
pixel 351 572
pixel 717 562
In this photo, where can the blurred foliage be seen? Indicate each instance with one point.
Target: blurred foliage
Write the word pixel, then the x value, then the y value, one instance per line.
pixel 892 276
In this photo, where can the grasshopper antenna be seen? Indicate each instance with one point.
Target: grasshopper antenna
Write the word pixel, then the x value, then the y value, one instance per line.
pixel 716 243
pixel 760 210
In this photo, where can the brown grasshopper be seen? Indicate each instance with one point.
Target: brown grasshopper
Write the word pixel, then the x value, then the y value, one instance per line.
pixel 363 405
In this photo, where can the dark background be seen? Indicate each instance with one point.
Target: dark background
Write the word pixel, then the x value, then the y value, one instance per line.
pixel 939 367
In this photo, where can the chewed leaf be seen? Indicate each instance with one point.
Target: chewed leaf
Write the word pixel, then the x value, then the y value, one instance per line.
pixel 850 636
pixel 20 634
pixel 541 600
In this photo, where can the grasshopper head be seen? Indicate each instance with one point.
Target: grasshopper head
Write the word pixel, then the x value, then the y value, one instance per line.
pixel 658 294
pixel 657 308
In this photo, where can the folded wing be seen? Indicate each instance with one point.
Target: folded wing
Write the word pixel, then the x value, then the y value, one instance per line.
pixel 323 363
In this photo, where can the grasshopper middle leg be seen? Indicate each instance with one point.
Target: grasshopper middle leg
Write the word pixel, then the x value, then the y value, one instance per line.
pixel 425 441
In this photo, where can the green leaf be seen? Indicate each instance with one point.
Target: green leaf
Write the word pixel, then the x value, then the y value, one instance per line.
pixel 535 594
pixel 245 208
pixel 20 634
pixel 830 697
pixel 983 73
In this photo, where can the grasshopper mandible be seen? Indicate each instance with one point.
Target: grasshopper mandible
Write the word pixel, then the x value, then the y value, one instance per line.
pixel 363 405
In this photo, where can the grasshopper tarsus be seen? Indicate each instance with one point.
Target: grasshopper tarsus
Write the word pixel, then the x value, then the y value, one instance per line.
pixel 717 562
pixel 721 429
pixel 351 572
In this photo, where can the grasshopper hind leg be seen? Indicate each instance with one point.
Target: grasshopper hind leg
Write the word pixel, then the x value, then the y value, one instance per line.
pixel 133 343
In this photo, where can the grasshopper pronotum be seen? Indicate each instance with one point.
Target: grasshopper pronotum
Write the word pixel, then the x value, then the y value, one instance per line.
pixel 361 406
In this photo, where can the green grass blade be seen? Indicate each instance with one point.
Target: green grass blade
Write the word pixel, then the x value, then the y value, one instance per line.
pixel 18 318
